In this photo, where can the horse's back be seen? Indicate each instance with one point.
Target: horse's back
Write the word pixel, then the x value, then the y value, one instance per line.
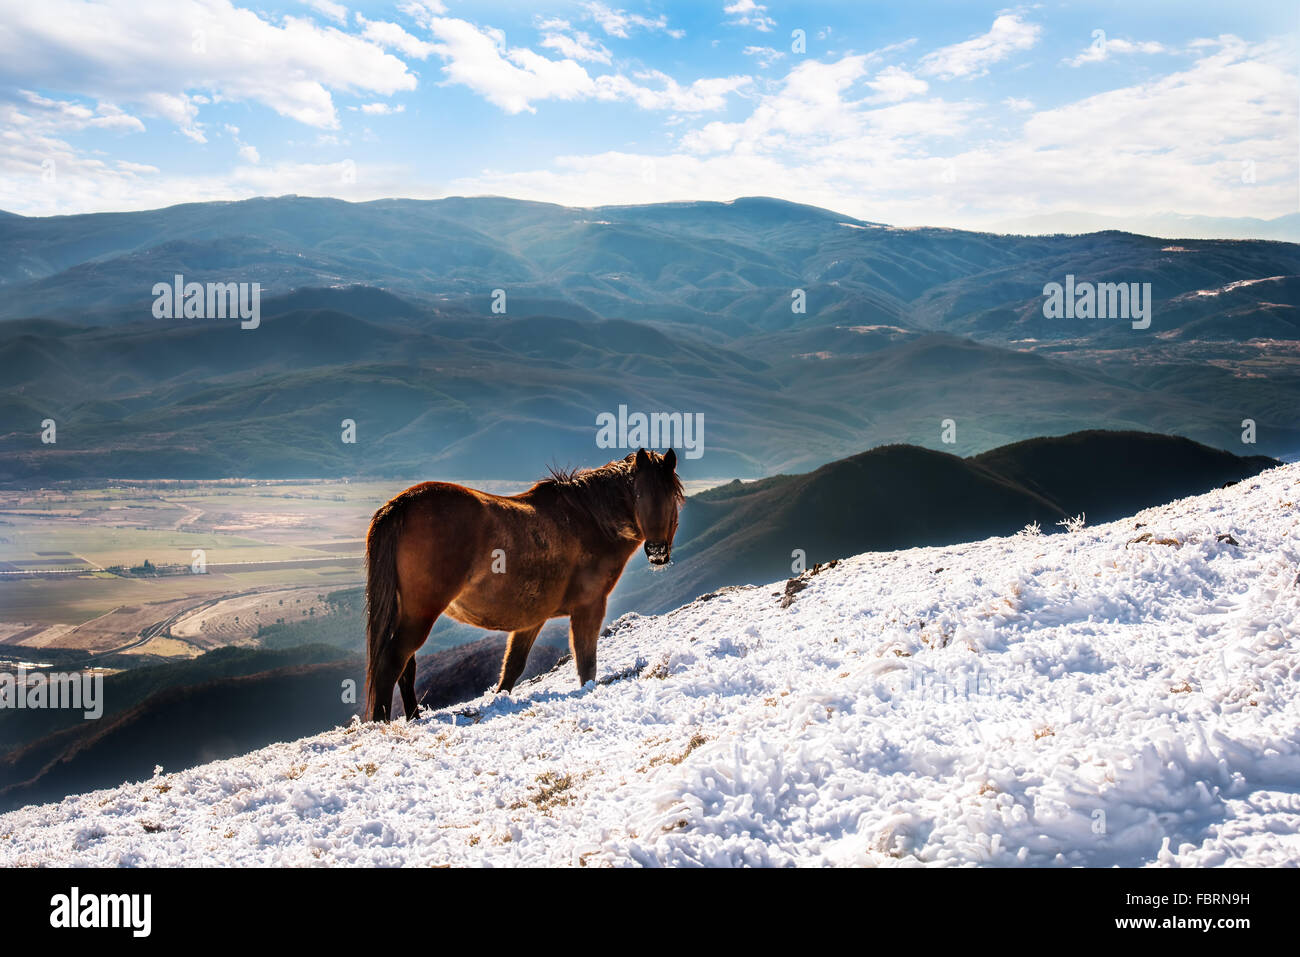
pixel 453 511
pixel 490 560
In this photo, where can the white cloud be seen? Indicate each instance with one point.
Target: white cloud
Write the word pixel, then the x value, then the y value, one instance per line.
pixel 509 78
pixel 49 178
pixel 393 37
pixel 620 23
pixel 162 54
pixel 422 11
pixel 51 114
pixel 180 109
pixel 514 78
pixel 747 13
pixel 703 95
pixel 328 8
pixel 809 105
pixel 559 35
pixel 766 56
pixel 1102 47
pixel 973 57
pixel 128 167
pixel 893 83
pixel 1176 143
pixel 247 153
pixel 851 133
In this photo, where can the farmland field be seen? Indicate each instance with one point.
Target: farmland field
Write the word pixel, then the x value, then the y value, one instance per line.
pixel 223 558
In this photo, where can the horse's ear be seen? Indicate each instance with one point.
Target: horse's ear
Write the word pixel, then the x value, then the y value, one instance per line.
pixel 642 458
pixel 670 459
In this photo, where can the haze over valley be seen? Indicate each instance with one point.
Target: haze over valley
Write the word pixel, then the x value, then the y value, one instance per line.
pixel 383 314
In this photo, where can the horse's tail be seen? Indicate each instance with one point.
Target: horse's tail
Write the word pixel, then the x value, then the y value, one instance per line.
pixel 381 590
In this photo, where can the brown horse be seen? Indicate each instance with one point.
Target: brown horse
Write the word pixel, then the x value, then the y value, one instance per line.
pixel 509 563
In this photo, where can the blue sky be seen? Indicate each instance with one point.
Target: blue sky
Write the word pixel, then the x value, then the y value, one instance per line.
pixel 917 113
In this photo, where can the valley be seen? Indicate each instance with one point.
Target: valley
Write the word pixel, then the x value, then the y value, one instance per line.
pixel 162 570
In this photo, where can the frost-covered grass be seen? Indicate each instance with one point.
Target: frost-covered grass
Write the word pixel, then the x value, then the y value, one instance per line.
pixel 1062 699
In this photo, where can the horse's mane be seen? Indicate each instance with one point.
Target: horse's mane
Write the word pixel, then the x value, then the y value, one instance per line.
pixel 605 492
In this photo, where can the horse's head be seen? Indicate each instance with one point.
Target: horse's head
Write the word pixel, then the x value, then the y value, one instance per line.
pixel 659 497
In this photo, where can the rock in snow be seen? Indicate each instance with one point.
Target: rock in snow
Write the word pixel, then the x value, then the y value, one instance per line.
pixel 1064 699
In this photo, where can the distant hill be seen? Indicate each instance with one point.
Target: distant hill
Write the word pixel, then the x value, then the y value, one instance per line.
pixel 436 394
pixel 1109 474
pixel 902 497
pixel 1169 225
pixel 801 334
pixel 728 267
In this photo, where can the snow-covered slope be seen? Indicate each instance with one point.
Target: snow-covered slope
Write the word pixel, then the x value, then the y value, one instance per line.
pixel 1066 699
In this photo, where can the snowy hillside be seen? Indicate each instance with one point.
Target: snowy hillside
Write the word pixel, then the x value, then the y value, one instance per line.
pixel 1074 698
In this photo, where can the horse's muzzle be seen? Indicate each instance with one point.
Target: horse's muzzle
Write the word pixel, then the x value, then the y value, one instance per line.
pixel 657 552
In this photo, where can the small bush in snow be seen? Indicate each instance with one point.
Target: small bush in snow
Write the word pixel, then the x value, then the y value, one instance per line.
pixel 1072 524
pixel 1032 530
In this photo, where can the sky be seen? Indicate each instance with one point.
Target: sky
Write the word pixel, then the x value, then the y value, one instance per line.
pixel 920 113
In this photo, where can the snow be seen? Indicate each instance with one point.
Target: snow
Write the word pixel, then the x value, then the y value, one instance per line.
pixel 1064 699
pixel 1240 283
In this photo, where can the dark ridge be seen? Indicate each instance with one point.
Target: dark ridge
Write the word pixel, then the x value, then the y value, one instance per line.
pixel 185 726
pixel 903 496
pixel 1112 474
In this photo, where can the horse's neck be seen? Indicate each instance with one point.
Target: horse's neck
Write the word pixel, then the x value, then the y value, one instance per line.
pixel 609 512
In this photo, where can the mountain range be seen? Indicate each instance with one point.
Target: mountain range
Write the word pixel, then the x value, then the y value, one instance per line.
pixel 1169 225
pixel 382 313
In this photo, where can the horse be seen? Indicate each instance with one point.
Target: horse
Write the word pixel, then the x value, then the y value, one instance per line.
pixel 509 563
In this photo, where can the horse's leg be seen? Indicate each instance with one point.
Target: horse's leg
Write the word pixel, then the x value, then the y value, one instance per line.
pixel 396 661
pixel 584 629
pixel 383 674
pixel 407 684
pixel 517 648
